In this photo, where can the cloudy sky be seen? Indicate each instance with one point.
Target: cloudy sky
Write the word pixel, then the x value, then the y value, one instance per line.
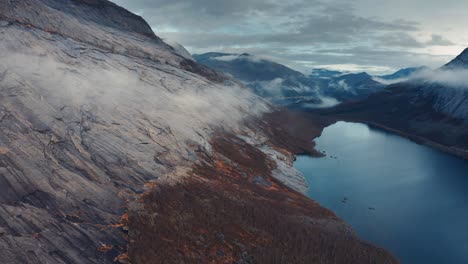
pixel 355 35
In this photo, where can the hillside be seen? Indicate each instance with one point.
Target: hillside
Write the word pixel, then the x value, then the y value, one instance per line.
pixel 352 86
pixel 287 87
pixel 115 148
pixel 431 108
pixel 276 82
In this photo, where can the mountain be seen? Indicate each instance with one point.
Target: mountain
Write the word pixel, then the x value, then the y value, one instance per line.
pixel 287 87
pixel 431 108
pixel 268 79
pixel 404 73
pixel 461 61
pixel 115 148
pixel 324 73
pixel 353 86
pixel 247 67
pixel 179 49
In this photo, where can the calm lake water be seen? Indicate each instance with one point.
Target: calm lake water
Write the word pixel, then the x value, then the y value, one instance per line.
pixel 405 197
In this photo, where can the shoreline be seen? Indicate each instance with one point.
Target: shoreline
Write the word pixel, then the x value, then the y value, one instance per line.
pixel 401 158
pixel 459 153
pixel 326 121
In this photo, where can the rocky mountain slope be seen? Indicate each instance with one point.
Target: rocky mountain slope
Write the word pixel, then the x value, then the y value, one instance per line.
pixel 431 108
pixel 115 148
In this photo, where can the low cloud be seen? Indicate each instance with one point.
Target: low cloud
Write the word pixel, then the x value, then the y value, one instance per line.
pixel 455 78
pixel 188 106
pixel 438 40
pixel 391 81
pixel 326 102
pixel 250 58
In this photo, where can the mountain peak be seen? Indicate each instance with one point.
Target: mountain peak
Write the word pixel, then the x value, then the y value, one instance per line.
pixel 461 61
pixel 465 52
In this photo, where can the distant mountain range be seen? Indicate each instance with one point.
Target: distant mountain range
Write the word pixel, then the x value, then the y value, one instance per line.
pixel 288 87
pixel 404 73
pixel 353 86
pixel 117 147
pixel 431 107
pixel 421 103
pixel 325 73
pixel 277 82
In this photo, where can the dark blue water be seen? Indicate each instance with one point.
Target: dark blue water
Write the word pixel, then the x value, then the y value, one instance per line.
pixel 405 197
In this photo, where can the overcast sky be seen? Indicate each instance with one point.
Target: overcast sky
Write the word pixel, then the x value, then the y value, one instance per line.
pixel 355 35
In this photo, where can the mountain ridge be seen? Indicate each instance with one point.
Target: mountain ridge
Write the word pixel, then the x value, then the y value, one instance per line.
pixel 461 61
pixel 114 148
pixel 274 81
pixel 404 73
pixel 287 87
pixel 431 108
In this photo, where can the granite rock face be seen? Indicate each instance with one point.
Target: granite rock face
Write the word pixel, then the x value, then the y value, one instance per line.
pixel 96 112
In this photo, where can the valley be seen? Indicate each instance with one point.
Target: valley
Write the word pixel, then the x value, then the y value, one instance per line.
pixel 116 148
pixel 119 146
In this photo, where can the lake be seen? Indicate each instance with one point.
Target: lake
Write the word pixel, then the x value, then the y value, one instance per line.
pixel 405 197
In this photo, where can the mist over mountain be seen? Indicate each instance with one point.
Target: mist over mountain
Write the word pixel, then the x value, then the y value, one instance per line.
pixel 353 86
pixel 268 79
pixel 431 107
pixel 179 49
pixel 287 87
pixel 192 159
pixel 117 147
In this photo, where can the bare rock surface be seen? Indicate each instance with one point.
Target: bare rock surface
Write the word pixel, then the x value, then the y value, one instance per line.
pixel 95 112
